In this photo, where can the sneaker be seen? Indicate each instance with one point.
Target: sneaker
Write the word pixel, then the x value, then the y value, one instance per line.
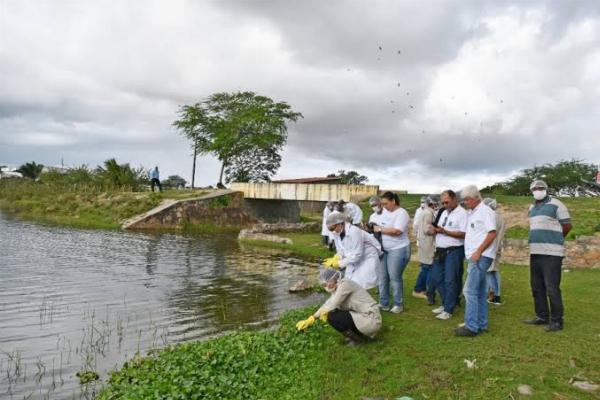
pixel 495 300
pixel 438 310
pixel 464 331
pixel 383 308
pixel 554 327
pixel 397 309
pixel 419 295
pixel 444 315
pixel 535 321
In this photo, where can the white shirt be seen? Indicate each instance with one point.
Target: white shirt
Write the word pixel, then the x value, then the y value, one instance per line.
pixel 455 221
pixel 353 211
pixel 376 218
pixel 398 219
pixel 481 220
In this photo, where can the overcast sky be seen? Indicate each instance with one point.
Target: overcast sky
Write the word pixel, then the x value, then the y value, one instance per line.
pixel 417 95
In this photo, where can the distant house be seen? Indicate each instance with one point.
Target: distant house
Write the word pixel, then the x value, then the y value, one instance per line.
pixel 324 180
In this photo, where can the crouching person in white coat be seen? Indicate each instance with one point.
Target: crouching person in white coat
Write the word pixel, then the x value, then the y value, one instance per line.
pixel 358 251
pixel 350 310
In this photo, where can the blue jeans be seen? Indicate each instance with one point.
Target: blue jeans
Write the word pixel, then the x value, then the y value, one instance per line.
pixel 446 277
pixel 390 271
pixel 475 291
pixel 493 282
pixel 423 281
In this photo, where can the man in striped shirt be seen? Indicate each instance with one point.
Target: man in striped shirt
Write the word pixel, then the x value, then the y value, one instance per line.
pixel 549 223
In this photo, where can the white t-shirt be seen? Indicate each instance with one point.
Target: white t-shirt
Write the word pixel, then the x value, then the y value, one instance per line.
pixel 480 221
pixel 398 219
pixel 453 222
pixel 376 218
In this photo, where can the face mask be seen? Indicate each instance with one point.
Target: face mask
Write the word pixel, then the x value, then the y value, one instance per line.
pixel 376 210
pixel 539 194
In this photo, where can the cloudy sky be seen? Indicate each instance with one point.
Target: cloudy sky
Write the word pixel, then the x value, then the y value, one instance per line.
pixel 417 95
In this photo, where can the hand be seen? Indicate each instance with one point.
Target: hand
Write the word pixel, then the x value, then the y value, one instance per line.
pixel 377 229
pixel 305 323
pixel 323 316
pixel 332 262
pixel 476 256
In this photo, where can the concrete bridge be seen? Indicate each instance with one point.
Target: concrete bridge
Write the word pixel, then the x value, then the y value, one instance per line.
pixel 246 204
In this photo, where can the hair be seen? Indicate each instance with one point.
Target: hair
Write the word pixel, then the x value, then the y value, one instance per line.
pixel 391 196
pixel 374 200
pixel 470 191
pixel 451 193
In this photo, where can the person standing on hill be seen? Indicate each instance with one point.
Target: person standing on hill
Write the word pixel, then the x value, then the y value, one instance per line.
pixel 549 224
pixel 155 179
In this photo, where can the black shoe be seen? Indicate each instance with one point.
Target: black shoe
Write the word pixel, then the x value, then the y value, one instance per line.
pixel 495 300
pixel 464 331
pixel 353 338
pixel 554 327
pixel 535 321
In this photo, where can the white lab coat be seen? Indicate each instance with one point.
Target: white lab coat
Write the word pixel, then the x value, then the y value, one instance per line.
pixel 324 230
pixel 359 253
pixel 354 213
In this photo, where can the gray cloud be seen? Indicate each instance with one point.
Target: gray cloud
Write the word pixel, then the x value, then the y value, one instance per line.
pixel 486 87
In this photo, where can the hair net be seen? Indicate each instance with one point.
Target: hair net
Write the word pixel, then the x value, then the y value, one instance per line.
pixel 335 218
pixel 432 200
pixel 374 201
pixel 538 183
pixel 491 203
pixel 329 274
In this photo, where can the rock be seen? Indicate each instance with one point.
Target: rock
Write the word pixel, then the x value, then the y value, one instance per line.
pixel 586 386
pixel 300 286
pixel 525 390
pixel 247 234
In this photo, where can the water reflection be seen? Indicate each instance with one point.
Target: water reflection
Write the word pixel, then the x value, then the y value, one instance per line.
pixel 76 299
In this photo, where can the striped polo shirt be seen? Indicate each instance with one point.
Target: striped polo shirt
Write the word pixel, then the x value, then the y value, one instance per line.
pixel 545 227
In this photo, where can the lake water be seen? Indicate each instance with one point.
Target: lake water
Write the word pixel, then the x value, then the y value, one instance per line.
pixel 73 300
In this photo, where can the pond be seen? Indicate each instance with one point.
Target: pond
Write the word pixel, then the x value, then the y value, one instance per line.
pixel 74 300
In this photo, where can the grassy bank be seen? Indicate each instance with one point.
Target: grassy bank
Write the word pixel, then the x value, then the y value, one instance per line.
pixel 414 355
pixel 82 207
pixel 304 245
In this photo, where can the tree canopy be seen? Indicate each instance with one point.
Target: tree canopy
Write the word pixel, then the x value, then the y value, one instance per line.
pixel 562 177
pixel 31 170
pixel 350 177
pixel 243 130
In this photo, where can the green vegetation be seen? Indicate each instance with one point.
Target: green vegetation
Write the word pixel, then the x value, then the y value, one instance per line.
pixel 78 206
pixel 305 245
pixel 564 176
pixel 414 355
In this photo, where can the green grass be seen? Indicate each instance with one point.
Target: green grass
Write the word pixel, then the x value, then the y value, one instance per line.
pixel 414 355
pixel 79 207
pixel 304 245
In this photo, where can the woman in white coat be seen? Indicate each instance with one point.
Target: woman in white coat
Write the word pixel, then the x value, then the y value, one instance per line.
pixel 358 251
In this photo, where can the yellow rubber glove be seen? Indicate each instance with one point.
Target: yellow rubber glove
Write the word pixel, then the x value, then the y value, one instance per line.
pixel 305 323
pixel 332 262
pixel 323 316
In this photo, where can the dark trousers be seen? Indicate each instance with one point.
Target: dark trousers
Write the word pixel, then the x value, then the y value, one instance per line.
pixel 545 286
pixel 446 276
pixel 342 321
pixel 155 182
